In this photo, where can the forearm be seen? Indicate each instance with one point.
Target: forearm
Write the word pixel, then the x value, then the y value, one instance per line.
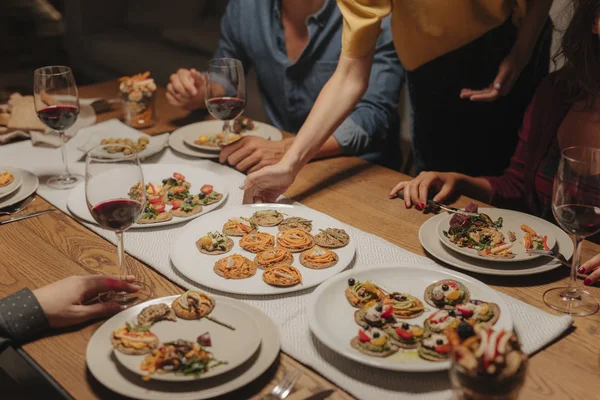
pixel 330 148
pixel 531 26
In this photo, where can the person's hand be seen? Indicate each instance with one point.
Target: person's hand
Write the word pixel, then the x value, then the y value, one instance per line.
pixel 62 300
pixel 252 153
pixel 417 189
pixel 508 73
pixel 266 185
pixel 591 267
pixel 186 89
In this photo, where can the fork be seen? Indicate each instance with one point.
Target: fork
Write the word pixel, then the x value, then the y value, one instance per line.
pixel 284 386
pixel 18 208
pixel 550 253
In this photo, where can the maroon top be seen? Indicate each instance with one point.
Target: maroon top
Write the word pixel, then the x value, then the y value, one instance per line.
pixel 517 188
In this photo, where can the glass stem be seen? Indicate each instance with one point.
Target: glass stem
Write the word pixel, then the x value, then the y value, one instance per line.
pixel 121 253
pixel 63 150
pixel 572 289
pixel 226 130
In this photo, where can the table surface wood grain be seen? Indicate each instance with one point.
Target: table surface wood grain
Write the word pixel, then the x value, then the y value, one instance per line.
pixel 41 250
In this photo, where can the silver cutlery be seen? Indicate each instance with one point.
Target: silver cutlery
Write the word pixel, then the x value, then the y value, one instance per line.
pixel 284 386
pixel 550 253
pixel 26 216
pixel 18 208
pixel 321 395
pixel 452 210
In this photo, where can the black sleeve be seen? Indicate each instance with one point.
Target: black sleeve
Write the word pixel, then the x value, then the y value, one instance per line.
pixel 21 318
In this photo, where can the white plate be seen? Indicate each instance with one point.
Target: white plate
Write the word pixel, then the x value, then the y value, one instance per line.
pixel 105 368
pixel 512 221
pixel 27 188
pixel 199 267
pixel 432 244
pixel 331 317
pixel 14 185
pixel 155 173
pixel 176 143
pixel 233 347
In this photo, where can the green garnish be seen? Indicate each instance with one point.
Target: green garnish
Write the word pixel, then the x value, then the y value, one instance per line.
pixel 331 234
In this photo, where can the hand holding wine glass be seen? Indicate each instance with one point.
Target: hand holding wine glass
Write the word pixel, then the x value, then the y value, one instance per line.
pixel 57 105
pixel 576 207
pixel 225 91
pixel 116 196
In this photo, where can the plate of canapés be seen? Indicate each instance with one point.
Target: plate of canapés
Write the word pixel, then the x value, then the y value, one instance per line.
pixel 402 318
pixel 174 194
pixel 10 180
pixel 263 249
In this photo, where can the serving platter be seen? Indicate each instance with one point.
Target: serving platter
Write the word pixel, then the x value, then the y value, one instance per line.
pixel 155 173
pixel 198 267
pixel 511 222
pixel 104 366
pixel 14 185
pixel 330 316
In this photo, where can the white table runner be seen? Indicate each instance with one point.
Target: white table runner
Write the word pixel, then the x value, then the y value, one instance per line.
pixel 536 328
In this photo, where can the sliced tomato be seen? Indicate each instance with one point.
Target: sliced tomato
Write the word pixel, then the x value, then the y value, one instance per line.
pixel 154 199
pixel 406 335
pixel 443 348
pixel 178 176
pixel 464 311
pixel 206 189
pixel 362 336
pixel 244 228
pixel 176 203
pixel 178 189
pixel 387 313
pixel 159 207
pixel 438 319
pixel 545 243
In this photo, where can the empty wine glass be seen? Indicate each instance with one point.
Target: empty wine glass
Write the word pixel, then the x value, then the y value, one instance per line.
pixel 116 195
pixel 575 202
pixel 225 91
pixel 57 105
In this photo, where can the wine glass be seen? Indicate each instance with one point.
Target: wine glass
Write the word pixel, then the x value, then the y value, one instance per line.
pixel 575 202
pixel 116 196
pixel 57 106
pixel 225 91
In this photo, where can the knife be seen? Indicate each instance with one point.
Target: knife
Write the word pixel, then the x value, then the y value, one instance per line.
pixel 20 217
pixel 432 203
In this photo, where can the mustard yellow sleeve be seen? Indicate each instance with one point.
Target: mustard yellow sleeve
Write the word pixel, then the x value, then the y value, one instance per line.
pixel 362 19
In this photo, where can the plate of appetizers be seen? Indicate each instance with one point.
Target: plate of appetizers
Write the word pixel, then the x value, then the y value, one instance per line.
pixel 495 234
pixel 174 194
pixel 263 249
pixel 10 180
pixel 27 188
pixel 400 317
pixel 207 345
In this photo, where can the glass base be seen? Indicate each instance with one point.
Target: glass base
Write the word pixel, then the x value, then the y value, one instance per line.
pixel 574 302
pixel 127 300
pixel 62 182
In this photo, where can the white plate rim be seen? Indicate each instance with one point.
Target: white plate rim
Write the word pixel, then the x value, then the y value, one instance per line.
pixel 25 188
pixel 337 269
pixel 268 353
pixel 176 143
pixel 322 336
pixel 75 193
pixel 14 185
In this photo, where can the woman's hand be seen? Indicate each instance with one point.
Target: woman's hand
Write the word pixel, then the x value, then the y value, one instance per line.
pixel 62 301
pixel 186 89
pixel 416 191
pixel 267 184
pixel 592 268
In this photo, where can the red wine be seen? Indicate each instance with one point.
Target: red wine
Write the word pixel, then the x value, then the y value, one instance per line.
pixel 578 219
pixel 58 118
pixel 225 108
pixel 117 214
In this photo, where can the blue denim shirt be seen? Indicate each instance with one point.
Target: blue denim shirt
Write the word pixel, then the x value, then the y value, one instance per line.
pixel 252 31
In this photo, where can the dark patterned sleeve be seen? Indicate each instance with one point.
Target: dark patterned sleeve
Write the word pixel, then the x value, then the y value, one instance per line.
pixel 21 318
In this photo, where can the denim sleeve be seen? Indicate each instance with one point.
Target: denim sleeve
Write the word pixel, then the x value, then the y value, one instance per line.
pixel 230 43
pixel 376 115
pixel 21 318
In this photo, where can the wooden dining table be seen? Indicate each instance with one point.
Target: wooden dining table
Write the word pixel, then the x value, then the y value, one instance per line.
pixel 38 251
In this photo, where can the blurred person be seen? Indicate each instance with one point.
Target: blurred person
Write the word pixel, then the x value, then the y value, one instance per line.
pixel 294 46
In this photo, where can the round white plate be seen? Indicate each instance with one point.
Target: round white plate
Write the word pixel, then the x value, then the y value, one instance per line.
pixel 331 317
pixel 14 185
pixel 433 245
pixel 512 221
pixel 27 188
pixel 155 173
pixel 199 267
pixel 233 347
pixel 106 369
pixel 182 139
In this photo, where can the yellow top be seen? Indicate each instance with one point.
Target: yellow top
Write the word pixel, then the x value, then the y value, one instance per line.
pixel 422 29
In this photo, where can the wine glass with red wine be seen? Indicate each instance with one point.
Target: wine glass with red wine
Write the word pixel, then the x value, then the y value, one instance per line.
pixel 57 106
pixel 225 91
pixel 576 207
pixel 116 196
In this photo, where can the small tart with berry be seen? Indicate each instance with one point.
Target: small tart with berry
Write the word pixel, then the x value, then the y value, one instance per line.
pixel 208 196
pixel 359 293
pixel 446 294
pixel 374 314
pixel 185 208
pixel 440 320
pixel 405 335
pixel 405 306
pixel 214 243
pixel 480 311
pixel 373 342
pixel 434 348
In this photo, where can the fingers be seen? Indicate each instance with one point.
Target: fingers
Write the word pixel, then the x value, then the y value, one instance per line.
pixel 591 267
pixel 173 100
pixel 488 94
pixel 259 166
pixel 94 284
pixel 185 77
pixel 228 150
pixel 83 314
pixel 445 191
pixel 249 161
pixel 400 186
pixel 240 154
pixel 197 77
pixel 424 189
